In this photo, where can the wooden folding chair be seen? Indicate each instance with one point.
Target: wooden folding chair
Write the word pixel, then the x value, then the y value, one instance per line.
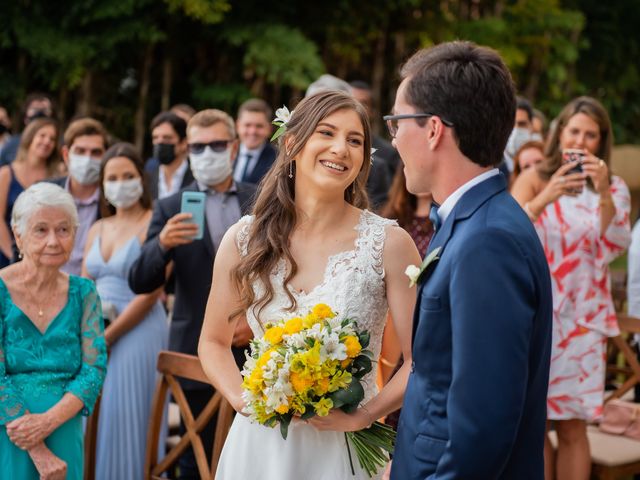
pixel 172 365
pixel 90 441
pixel 616 456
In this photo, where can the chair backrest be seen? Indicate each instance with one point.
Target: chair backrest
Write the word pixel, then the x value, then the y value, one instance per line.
pixel 630 371
pixel 173 365
pixel 90 440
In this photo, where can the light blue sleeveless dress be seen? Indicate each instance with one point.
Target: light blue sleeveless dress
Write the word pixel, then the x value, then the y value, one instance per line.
pixel 38 368
pixel 131 374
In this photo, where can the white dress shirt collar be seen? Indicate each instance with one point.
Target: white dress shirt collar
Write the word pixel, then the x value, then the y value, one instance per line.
pixel 447 206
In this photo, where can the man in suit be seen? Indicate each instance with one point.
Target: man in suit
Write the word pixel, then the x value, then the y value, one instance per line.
pixel 169 138
pixel 85 142
pixel 212 148
pixel 475 403
pixel 256 154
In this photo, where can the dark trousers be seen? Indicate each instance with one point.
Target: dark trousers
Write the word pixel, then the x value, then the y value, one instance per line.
pixel 187 466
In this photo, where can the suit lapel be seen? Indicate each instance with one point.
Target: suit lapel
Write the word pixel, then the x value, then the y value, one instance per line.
pixel 464 208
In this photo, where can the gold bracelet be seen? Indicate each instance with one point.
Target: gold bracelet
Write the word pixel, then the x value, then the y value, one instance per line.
pixel 387 363
pixel 532 216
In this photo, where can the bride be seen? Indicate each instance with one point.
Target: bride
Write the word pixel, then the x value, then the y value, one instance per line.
pixel 309 241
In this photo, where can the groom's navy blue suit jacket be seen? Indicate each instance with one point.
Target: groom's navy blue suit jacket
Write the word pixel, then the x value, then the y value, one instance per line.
pixel 475 404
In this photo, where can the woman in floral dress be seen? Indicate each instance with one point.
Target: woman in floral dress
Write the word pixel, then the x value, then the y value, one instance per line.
pixel 582 218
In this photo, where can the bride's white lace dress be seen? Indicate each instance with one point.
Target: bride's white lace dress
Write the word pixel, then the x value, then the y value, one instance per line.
pixel 353 284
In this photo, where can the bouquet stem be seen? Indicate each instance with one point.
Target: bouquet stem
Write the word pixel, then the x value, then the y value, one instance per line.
pixel 372 445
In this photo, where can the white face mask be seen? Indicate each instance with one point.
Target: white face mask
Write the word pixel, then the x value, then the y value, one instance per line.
pixel 84 169
pixel 123 194
pixel 209 167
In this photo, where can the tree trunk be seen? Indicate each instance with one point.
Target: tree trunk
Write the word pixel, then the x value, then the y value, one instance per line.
pixel 63 96
pixel 85 97
pixel 167 80
pixel 145 80
pixel 377 77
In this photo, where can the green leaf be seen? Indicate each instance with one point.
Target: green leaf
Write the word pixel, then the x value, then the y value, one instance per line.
pixel 349 396
pixel 285 420
pixel 364 338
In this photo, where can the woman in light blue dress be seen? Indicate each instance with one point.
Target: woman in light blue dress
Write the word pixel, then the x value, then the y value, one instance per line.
pixel 139 329
pixel 52 350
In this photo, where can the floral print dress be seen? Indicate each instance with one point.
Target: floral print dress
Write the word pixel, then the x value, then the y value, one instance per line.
pixel 583 311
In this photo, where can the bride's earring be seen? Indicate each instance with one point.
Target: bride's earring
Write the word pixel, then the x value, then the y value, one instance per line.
pixel 291 169
pixel 353 188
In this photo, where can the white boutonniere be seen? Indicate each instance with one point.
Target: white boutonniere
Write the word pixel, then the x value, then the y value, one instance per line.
pixel 414 273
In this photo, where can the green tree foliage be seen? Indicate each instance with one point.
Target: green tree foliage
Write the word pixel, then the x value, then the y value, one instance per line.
pixel 124 60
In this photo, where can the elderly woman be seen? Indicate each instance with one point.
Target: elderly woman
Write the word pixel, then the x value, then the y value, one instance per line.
pixel 581 213
pixel 52 349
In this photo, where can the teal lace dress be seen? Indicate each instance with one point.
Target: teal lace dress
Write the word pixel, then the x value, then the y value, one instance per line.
pixel 37 369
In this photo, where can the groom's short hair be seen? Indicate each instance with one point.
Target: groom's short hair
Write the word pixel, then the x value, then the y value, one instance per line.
pixel 471 87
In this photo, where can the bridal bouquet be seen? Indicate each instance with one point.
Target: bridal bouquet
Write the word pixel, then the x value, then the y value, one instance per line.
pixel 306 366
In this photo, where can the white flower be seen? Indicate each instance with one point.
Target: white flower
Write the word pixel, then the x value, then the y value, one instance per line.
pixel 332 348
pixel 413 272
pixel 283 114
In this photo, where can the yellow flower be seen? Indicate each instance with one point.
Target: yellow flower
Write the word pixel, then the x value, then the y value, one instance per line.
pixel 346 362
pixel 310 320
pixel 297 403
pixel 353 346
pixel 273 335
pixel 323 406
pixel 339 380
pixel 293 326
pixel 254 381
pixel 323 311
pixel 322 386
pixel 264 358
pixel 282 408
pixel 299 382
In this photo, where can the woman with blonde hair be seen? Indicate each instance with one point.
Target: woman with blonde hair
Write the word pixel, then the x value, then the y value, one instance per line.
pixel 37 159
pixel 581 213
pixel 310 240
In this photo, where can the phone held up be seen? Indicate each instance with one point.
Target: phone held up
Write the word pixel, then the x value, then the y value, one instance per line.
pixel 571 155
pixel 193 203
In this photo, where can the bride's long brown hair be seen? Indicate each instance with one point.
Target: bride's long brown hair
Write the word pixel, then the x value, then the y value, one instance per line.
pixel 274 210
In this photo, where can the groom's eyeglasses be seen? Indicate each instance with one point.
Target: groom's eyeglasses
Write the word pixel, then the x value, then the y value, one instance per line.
pixel 392 120
pixel 217 146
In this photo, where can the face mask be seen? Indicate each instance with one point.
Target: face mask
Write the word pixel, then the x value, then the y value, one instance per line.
pixel 209 167
pixel 84 169
pixel 123 194
pixel 37 114
pixel 164 152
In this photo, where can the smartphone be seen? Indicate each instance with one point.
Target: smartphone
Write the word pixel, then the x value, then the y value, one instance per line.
pixel 193 203
pixel 572 155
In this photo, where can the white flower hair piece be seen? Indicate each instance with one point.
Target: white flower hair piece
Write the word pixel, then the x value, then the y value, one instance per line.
pixel 282 118
pixel 373 150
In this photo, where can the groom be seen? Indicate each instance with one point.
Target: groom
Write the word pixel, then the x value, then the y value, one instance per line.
pixel 475 404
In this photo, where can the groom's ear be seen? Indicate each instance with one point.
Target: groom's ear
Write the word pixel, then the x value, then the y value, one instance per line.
pixel 435 132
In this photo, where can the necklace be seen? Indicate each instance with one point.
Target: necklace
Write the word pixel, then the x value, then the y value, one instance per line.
pixel 33 299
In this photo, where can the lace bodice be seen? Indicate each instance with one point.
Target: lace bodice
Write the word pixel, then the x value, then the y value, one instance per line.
pixel 353 285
